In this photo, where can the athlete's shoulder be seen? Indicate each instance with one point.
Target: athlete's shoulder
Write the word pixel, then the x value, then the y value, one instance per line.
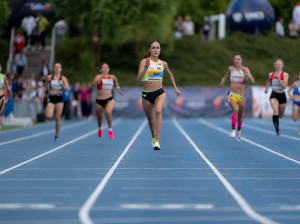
pixel 285 74
pixel 165 64
pixel 230 68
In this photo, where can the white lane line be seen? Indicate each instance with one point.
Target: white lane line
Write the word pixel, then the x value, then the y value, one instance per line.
pixel 26 206
pixel 247 140
pixel 270 132
pixel 290 207
pixel 53 150
pixel 40 133
pixel 237 197
pixel 166 206
pixel 284 125
pixel 84 212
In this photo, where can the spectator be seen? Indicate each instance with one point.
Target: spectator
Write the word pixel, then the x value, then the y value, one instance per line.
pixel 39 89
pixel 74 104
pixel 67 97
pixel 31 87
pixel 293 28
pixel 43 23
pixel 83 98
pixel 44 69
pixel 19 88
pixel 20 62
pixel 60 29
pixel 279 28
pixel 28 25
pixel 205 29
pixel 188 26
pixel 9 106
pixel 19 42
pixel 178 27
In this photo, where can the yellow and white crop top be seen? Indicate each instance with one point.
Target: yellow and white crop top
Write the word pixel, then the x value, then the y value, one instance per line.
pixel 154 72
pixel 238 76
pixel 1 81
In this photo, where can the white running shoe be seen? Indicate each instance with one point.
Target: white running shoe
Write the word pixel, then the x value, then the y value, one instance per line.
pixel 232 134
pixel 239 135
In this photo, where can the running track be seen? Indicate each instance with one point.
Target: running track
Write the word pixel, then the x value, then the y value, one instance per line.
pixel 200 175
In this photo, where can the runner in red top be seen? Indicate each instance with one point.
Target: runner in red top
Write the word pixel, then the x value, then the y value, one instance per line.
pixel 279 81
pixel 55 82
pixel 105 101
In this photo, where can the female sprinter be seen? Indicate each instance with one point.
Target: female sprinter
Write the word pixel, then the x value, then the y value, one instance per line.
pixel 56 83
pixel 279 81
pixel 105 101
pixel 3 83
pixel 236 98
pixel 296 99
pixel 153 97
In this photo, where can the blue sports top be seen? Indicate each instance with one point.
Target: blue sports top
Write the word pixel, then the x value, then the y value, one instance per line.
pixel 297 90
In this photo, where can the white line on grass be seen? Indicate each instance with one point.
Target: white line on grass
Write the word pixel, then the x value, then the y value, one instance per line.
pixel 237 197
pixel 53 150
pixel 247 140
pixel 84 212
pixel 39 134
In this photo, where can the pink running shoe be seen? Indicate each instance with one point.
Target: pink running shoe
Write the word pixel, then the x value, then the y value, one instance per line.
pixel 111 134
pixel 278 133
pixel 100 132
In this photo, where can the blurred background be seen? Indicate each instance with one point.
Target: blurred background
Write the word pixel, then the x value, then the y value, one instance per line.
pixel 198 39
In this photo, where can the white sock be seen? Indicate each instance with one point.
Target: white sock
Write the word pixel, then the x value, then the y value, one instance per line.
pixel 110 129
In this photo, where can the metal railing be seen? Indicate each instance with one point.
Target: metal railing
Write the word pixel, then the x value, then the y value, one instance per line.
pixel 11 51
pixel 52 50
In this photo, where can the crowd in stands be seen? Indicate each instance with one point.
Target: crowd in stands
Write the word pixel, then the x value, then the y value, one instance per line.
pixel 77 101
pixel 293 29
pixel 31 36
pixel 186 27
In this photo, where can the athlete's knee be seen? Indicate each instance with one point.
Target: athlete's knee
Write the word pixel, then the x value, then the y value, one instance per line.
pixel 151 122
pixel 235 110
pixel 158 112
pixel 57 118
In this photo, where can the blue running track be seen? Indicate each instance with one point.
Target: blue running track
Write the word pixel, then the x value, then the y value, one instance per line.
pixel 201 175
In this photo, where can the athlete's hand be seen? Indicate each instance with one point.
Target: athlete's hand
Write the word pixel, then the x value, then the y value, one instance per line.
pixel 61 82
pixel 147 63
pixel 177 92
pixel 121 93
pixel 266 91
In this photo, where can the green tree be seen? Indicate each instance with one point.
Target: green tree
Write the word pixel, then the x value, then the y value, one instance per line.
pixel 284 9
pixel 121 21
pixel 198 9
pixel 4 13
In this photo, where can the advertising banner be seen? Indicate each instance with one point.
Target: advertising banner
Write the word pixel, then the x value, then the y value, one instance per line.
pixel 193 102
pixel 261 102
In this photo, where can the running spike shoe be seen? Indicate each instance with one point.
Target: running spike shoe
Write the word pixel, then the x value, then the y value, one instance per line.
pixel 232 133
pixel 153 142
pixel 55 138
pixel 239 135
pixel 156 146
pixel 278 133
pixel 100 132
pixel 111 134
